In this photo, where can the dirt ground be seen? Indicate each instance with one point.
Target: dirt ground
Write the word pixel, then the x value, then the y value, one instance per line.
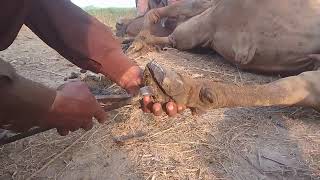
pixel 239 143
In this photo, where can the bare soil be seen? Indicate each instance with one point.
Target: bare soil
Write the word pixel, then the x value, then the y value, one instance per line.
pixel 238 143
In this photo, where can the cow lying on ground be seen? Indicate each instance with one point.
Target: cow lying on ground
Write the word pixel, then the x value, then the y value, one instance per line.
pixel 132 26
pixel 265 36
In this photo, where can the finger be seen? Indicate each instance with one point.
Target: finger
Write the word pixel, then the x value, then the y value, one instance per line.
pixel 74 125
pixel 156 16
pixel 101 115
pixel 146 104
pixel 151 17
pixel 181 108
pixel 157 109
pixel 87 126
pixel 171 108
pixel 63 132
pixel 155 19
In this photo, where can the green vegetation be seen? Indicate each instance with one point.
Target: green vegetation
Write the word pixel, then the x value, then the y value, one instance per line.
pixel 109 16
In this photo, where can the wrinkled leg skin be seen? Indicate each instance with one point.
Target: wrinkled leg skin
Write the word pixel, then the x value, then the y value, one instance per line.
pixel 184 8
pixel 201 95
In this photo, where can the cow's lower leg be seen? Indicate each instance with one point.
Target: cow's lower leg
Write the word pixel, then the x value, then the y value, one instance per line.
pixel 301 90
pixel 192 33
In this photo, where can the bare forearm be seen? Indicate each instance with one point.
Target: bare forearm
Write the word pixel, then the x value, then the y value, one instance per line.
pixel 22 99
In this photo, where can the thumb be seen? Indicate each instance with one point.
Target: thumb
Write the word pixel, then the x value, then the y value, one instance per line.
pixel 62 131
pixel 101 115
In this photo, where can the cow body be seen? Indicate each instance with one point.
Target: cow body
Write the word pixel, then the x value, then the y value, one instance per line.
pixel 264 36
pixel 267 36
pixel 260 35
pixel 133 26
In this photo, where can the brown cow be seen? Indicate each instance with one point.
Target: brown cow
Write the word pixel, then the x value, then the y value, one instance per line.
pixel 265 36
pixel 132 26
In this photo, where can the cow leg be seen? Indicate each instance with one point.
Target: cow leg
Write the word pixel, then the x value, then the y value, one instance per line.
pixel 185 8
pixel 300 90
pixel 196 32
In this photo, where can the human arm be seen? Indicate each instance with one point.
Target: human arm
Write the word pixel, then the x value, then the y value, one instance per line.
pixel 25 104
pixel 86 42
pixel 83 40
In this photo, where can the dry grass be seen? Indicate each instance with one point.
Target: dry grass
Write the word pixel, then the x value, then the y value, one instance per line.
pixel 235 143
pixel 109 16
pixel 239 143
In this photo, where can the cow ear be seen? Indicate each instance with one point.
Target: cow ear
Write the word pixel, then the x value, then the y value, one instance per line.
pixel 314 57
pixel 316 60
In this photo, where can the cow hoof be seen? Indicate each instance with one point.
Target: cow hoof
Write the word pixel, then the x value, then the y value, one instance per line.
pixel 143 43
pixel 139 48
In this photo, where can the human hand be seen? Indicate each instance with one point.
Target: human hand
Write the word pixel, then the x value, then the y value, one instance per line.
pixel 73 108
pixel 171 108
pixel 128 75
pixel 134 82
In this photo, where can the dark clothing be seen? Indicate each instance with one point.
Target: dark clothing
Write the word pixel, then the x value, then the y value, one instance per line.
pixel 69 30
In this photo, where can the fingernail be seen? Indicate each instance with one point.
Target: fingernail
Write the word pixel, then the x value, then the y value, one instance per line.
pixel 171 109
pixel 170 106
pixel 147 104
pixel 157 109
pixel 146 99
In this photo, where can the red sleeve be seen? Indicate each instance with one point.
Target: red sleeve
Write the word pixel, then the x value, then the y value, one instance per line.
pixel 78 37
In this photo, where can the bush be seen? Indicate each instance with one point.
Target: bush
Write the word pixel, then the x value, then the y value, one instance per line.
pixel 109 16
